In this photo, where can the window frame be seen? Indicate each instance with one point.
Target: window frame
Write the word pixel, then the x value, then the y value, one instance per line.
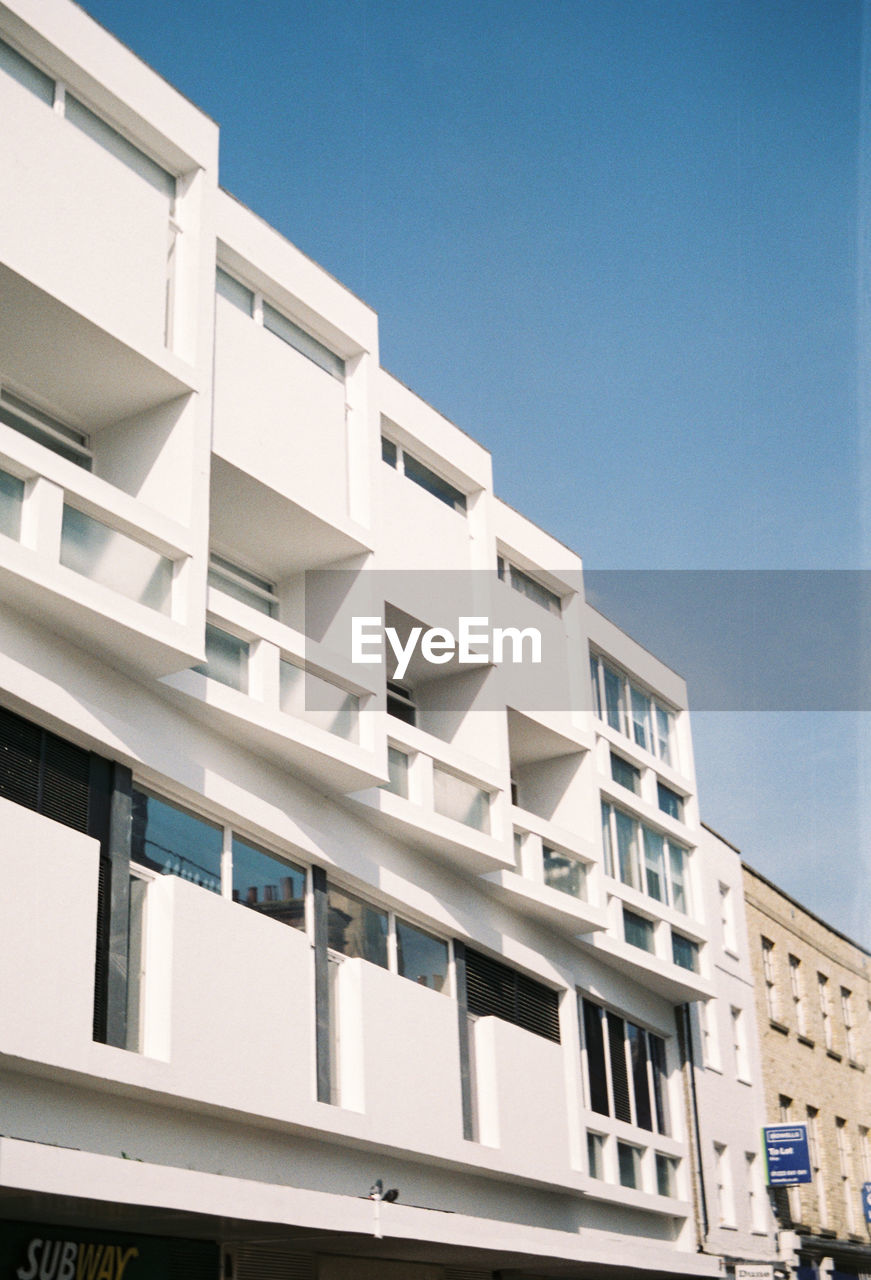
pixel 618 696
pixel 655 1061
pixel 426 477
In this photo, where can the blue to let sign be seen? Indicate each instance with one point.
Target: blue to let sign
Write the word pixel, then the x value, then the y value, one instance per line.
pixel 866 1200
pixel 787 1157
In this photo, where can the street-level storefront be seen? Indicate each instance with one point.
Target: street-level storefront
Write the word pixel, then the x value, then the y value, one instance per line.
pixel 33 1251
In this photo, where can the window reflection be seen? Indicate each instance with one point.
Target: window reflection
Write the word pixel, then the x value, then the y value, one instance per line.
pixel 171 840
pixel 356 929
pixel 268 885
pixel 421 957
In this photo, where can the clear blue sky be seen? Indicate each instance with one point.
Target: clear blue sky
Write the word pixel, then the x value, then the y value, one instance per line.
pixel 618 242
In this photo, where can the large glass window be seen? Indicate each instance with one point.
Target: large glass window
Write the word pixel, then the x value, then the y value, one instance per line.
pixel 421 957
pixel 563 872
pixel 115 561
pixel 174 841
pixel 356 928
pixel 456 798
pixel 632 711
pixel 625 1069
pixel 661 873
pixel 269 885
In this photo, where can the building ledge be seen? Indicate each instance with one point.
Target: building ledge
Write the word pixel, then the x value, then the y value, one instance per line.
pixel 806 1040
pixel 833 1053
pixel 778 1026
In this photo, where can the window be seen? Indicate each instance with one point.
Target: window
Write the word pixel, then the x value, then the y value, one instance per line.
pixel 739 1042
pixel 631 711
pixel 666 1175
pixel 495 990
pixel 684 952
pixel 243 585
pixel 768 975
pixel 400 702
pixel 625 1065
pixel 847 1014
pixel 36 425
pixel 101 132
pixel 626 774
pixel 26 73
pixel 115 561
pixel 710 1039
pixel 596 1155
pixel 563 872
pixel 637 931
pixel 268 884
pixel 174 841
pixel 865 1149
pixel 819 1185
pixel 795 985
pixel 725 1196
pixel 307 345
pixel 643 858
pixel 356 928
pixel 421 957
pixel 136 958
pixel 11 501
pixel 755 1191
pixel 845 1161
pixel 226 659
pixel 398 457
pixel 397 772
pixel 669 801
pixel 629 1163
pixel 462 801
pixel 528 586
pixel 825 1011
pixel 231 289
pixel 727 919
pixel 320 702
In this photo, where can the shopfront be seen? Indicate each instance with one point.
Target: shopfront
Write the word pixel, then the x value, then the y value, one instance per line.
pixel 34 1251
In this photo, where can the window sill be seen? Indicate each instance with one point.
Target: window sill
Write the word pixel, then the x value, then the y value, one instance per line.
pixel 802 1039
pixel 828 1233
pixel 778 1026
pixel 728 1226
pixel 744 1080
pixel 833 1053
pixel 731 953
pixel 857 1066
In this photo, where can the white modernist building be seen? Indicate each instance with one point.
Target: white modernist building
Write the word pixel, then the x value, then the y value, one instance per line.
pixel 283 931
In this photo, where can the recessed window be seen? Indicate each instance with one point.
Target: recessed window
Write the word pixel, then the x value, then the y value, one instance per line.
pixel 398 457
pixel 65 441
pixel 267 884
pixel 796 989
pixel 666 1175
pixel 400 702
pixel 226 659
pixel 771 1003
pixel 243 585
pixel 496 990
pixel 11 501
pixel 356 928
pixel 397 772
pixel 629 1163
pixel 596 1155
pixel 644 858
pixel 226 286
pixel 632 711
pixel 454 797
pixel 625 1065
pixel 303 342
pixel 528 586
pixel 421 957
pixel 22 70
pixel 116 561
pixel 625 774
pixel 669 801
pixel 309 696
pixel 101 132
pixel 638 931
pixel 685 952
pixel 174 841
pixel 563 872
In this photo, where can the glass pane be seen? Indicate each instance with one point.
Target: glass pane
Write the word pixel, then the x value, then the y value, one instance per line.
pixel 637 931
pixel 234 581
pixel 433 484
pixel 606 840
pixel 596 1155
pixel 226 659
pixel 533 590
pixel 619 1072
pixel 666 1179
pixel 388 452
pixel 135 962
pixel 669 801
pixel 356 928
pixel 26 73
pixel 654 863
pixel 115 561
pixel 397 770
pixel 613 698
pixel 656 1046
pixel 638 1059
pixel 641 718
pixel 684 952
pixel 269 885
pixel 303 342
pixel 11 498
pixel 421 957
pixel 664 723
pixel 234 292
pixel 316 700
pixel 175 842
pixel 63 441
pixel 594 1043
pixel 562 872
pixel 677 858
pixel 455 798
pixel 626 774
pixel 594 685
pixel 627 848
pixel 117 145
pixel 629 1159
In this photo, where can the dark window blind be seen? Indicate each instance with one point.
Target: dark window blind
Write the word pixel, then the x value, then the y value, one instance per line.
pixel 495 990
pixel 42 772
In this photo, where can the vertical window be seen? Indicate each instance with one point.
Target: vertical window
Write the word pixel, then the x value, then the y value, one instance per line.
pixel 563 872
pixel 269 885
pixel 626 1069
pixel 666 1175
pixel 11 503
pixel 637 931
pixel 795 986
pixel 845 1161
pixel 400 702
pixel 136 958
pixel 755 1194
pixel 226 659
pixel 596 1155
pixel 819 1185
pixel 865 1149
pixel 684 952
pixel 825 1011
pixel 397 772
pixel 632 711
pixel 356 928
pixel 739 1040
pixel 727 919
pixel 169 839
pixel 669 801
pixel 629 1162
pixel 643 858
pixel 768 975
pixel 725 1194
pixel 626 774
pixel 421 957
pixel 847 1013
pixel 710 1039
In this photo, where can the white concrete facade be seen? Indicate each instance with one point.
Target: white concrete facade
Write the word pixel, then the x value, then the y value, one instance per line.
pixel 526 846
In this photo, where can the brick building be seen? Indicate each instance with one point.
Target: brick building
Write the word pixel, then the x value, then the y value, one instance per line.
pixel 812 1001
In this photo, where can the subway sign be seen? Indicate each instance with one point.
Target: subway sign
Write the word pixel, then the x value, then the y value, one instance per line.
pixel 30 1251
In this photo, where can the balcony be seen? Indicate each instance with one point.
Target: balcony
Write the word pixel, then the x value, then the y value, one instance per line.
pixel 270 687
